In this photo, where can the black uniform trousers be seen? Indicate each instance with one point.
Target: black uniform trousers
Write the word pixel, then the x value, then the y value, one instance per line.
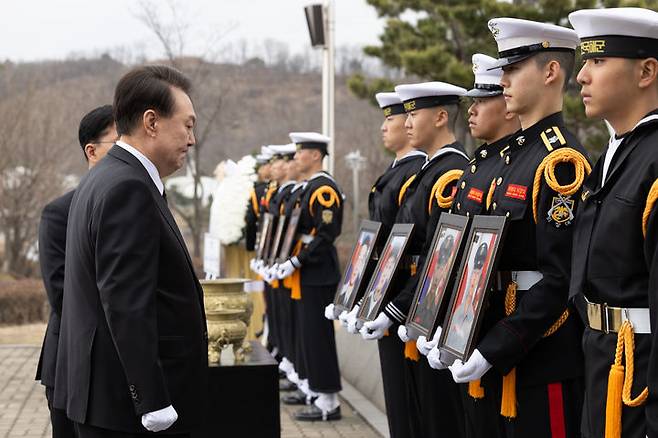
pixel 546 411
pixel 270 314
pixel 87 431
pixel 391 359
pixel 599 351
pixel 434 397
pixel 285 323
pixel 62 426
pixel 300 360
pixel 481 417
pixel 318 340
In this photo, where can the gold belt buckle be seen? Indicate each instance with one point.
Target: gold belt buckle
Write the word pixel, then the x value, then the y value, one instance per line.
pixel 603 317
pixel 595 316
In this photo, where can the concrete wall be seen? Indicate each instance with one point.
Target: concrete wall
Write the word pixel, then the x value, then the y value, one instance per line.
pixel 359 365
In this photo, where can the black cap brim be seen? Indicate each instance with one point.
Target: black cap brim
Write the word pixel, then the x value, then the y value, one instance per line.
pixel 478 92
pixel 504 62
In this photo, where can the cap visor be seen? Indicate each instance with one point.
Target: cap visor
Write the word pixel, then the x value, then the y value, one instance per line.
pixel 504 62
pixel 476 92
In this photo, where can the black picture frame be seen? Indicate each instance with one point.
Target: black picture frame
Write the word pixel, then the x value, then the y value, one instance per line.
pixel 472 287
pixel 438 275
pixel 385 271
pixel 289 237
pixel 276 241
pixel 265 237
pixel 359 268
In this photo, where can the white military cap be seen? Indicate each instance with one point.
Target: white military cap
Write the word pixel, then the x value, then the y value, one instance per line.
pixel 487 81
pixel 310 140
pixel 428 94
pixel 284 151
pixel 390 103
pixel 519 39
pixel 617 32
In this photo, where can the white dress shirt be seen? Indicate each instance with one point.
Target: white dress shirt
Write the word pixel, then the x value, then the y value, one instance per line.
pixel 148 165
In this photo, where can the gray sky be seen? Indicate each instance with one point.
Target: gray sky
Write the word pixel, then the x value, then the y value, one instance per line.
pixel 46 29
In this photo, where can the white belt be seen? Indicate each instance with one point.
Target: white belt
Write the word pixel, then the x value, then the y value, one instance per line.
pixel 609 319
pixel 306 238
pixel 526 279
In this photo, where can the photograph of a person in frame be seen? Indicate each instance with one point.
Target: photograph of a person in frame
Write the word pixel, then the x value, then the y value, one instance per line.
pixel 383 276
pixel 437 276
pixel 471 287
pixel 356 268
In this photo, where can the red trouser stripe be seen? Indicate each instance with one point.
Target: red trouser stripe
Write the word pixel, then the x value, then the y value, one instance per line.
pixel 556 410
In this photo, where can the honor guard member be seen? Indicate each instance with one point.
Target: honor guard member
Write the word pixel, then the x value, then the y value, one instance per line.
pixel 315 274
pixel 613 277
pixel 258 191
pixel 280 323
pixel 276 177
pixel 295 367
pixel 432 110
pixel 535 345
pixel 383 205
pixel 490 122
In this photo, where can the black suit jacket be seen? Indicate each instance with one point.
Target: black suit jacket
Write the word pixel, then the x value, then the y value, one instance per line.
pixel 52 247
pixel 133 337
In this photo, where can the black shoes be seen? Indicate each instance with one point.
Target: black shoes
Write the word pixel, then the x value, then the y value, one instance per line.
pixel 282 375
pixel 313 413
pixel 297 398
pixel 286 385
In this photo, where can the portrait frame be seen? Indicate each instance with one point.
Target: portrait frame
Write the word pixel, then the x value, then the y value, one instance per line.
pixel 359 267
pixel 276 241
pixel 472 287
pixel 385 272
pixel 289 236
pixel 265 236
pixel 438 275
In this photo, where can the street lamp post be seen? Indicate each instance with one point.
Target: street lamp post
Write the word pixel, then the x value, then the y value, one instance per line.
pixel 321 27
pixel 356 162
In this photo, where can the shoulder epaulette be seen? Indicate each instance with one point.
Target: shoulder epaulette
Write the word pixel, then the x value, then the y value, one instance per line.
pixel 439 187
pixel 651 201
pixel 326 196
pixel 404 188
pixel 547 169
pixel 552 138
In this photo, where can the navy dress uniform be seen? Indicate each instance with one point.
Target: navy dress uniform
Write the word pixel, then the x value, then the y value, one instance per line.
pixel 314 281
pixel 253 210
pixel 481 416
pixel 383 205
pixel 535 345
pixel 432 395
pixel 615 240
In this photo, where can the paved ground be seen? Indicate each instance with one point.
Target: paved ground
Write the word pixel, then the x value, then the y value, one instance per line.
pixel 23 410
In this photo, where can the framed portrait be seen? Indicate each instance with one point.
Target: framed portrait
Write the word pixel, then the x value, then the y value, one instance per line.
pixel 464 315
pixel 384 272
pixel 359 268
pixel 289 236
pixel 276 241
pixel 265 236
pixel 438 275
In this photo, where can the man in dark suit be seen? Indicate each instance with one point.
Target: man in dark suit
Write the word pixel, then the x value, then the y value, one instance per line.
pixel 96 134
pixel 133 340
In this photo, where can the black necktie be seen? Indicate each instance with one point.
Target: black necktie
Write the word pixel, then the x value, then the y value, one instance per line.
pixel 164 195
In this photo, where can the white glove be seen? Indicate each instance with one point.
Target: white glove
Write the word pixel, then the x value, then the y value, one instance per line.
pixel 329 312
pixel 285 270
pixel 402 333
pixel 425 346
pixel 343 317
pixel 252 265
pixel 474 368
pixel 434 359
pixel 269 274
pixel 353 324
pixel 159 420
pixel 376 329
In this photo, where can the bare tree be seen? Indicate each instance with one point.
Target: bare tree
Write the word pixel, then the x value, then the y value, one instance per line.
pixel 174 35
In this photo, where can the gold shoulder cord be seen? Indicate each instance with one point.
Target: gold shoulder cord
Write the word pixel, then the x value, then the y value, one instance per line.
pixel 326 196
pixel 439 187
pixel 404 188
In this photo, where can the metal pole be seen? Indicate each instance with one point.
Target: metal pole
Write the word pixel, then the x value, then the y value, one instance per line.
pixel 328 85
